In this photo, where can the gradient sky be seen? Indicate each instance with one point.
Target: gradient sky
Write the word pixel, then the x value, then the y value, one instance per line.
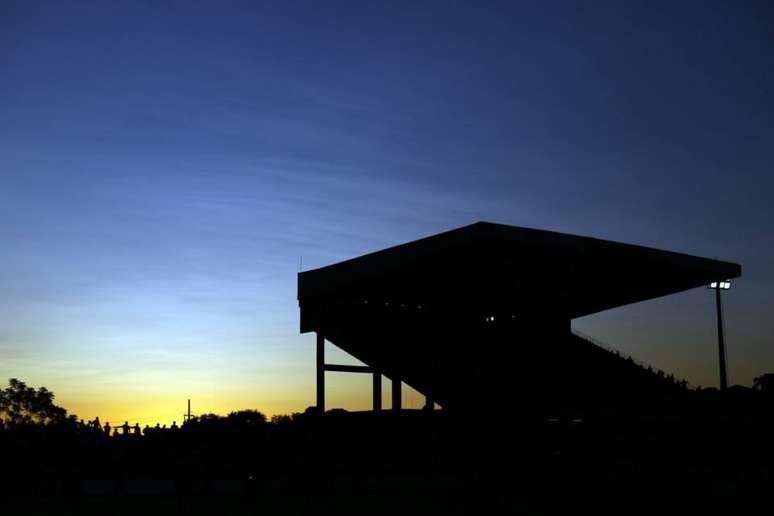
pixel 163 168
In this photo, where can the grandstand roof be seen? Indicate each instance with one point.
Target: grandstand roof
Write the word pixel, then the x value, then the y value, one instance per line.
pixel 486 266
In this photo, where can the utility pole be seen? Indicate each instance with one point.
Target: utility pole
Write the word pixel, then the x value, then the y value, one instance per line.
pixel 717 287
pixel 187 416
pixel 721 342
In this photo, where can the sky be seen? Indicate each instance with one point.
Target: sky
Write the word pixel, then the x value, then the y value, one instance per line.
pixel 167 168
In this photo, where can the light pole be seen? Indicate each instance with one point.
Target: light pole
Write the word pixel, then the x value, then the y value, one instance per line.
pixel 717 286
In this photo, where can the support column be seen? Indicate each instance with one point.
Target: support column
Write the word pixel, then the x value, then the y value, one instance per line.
pixel 396 394
pixel 320 372
pixel 429 403
pixel 377 391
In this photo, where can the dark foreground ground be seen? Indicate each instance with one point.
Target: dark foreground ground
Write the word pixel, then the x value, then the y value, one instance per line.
pixel 406 495
pixel 686 460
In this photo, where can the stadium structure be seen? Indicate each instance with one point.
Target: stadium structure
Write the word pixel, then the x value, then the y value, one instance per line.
pixel 479 317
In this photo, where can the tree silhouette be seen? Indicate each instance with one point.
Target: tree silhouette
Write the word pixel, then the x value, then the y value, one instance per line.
pixel 22 404
pixel 246 418
pixel 764 383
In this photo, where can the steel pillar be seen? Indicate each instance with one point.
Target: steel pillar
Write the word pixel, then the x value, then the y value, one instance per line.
pixel 320 372
pixel 377 391
pixel 397 400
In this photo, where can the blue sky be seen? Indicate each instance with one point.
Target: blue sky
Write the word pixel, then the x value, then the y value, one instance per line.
pixel 164 168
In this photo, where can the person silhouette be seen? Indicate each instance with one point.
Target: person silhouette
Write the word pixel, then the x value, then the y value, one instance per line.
pixel 125 428
pixel 174 425
pixel 107 429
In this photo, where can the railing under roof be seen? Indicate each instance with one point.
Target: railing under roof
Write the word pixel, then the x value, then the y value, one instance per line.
pixel 625 356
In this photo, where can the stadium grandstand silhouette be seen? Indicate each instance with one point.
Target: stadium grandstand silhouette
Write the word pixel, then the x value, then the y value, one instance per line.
pixel 479 318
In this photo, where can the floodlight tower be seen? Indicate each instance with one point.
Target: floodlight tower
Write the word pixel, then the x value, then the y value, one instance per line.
pixel 717 286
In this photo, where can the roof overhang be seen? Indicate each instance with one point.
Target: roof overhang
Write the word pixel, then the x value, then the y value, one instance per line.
pixel 487 267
